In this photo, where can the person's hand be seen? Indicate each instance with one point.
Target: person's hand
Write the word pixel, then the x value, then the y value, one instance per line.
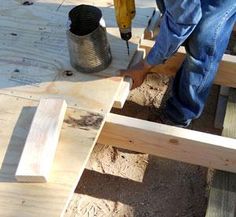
pixel 137 73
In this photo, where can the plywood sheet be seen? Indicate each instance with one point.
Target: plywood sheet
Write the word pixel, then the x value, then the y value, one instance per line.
pixel 34 56
pixel 78 136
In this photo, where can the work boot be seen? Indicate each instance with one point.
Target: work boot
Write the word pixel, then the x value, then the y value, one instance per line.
pixel 162 118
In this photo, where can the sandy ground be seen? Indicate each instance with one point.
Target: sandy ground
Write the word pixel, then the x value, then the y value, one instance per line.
pixel 121 183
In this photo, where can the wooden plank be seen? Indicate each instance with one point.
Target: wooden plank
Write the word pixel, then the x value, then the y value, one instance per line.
pixel 41 142
pixel 170 142
pixel 123 93
pixel 127 83
pixel 78 137
pixel 220 111
pixel 222 199
pixel 226 75
pixel 230 116
pixel 34 57
pixel 221 107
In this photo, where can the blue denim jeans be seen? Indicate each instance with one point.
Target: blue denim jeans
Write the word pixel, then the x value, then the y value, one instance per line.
pixel 205 41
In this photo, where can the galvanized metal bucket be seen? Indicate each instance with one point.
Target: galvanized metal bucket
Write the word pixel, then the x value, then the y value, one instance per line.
pixel 87 39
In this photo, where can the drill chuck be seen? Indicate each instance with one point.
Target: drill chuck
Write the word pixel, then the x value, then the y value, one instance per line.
pixel 125 33
pixel 126 36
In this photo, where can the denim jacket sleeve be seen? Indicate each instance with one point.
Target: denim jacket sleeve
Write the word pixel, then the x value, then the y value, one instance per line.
pixel 179 20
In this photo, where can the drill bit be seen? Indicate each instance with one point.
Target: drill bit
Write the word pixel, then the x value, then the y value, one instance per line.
pixel 127 44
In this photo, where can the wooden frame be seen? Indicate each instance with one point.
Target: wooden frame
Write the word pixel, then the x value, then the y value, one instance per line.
pixel 40 72
pixel 34 64
pixel 170 142
pixel 226 75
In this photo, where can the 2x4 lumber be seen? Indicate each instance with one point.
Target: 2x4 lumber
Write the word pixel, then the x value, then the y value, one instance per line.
pixel 123 93
pixel 41 143
pixel 226 75
pixel 222 199
pixel 221 107
pixel 169 142
pixel 127 83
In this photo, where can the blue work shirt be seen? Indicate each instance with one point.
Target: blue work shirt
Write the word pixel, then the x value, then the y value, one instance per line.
pixel 179 20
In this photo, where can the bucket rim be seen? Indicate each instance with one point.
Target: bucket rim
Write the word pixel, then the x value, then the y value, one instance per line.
pixel 83 36
pixel 74 9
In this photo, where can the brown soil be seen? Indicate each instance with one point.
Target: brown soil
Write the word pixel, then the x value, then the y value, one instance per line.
pixel 121 183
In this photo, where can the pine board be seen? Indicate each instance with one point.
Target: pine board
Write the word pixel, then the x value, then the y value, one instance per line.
pixel 222 199
pixel 169 142
pixel 41 142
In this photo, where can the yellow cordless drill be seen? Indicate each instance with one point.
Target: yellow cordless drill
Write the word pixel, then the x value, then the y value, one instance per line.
pixel 125 12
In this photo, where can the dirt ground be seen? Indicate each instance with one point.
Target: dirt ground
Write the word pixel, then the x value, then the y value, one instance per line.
pixel 121 183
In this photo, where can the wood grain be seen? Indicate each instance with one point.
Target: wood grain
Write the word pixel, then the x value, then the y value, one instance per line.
pixel 34 55
pixel 222 199
pixel 78 137
pixel 127 83
pixel 170 142
pixel 41 142
pixel 123 93
pixel 34 62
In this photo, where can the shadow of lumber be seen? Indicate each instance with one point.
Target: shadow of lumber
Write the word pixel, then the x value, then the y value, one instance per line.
pixel 16 145
pixel 163 185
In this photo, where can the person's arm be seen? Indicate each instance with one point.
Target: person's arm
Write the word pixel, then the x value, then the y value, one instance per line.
pixel 179 20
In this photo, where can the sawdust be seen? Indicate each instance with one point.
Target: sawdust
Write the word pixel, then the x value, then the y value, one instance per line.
pixel 150 93
pixel 121 183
